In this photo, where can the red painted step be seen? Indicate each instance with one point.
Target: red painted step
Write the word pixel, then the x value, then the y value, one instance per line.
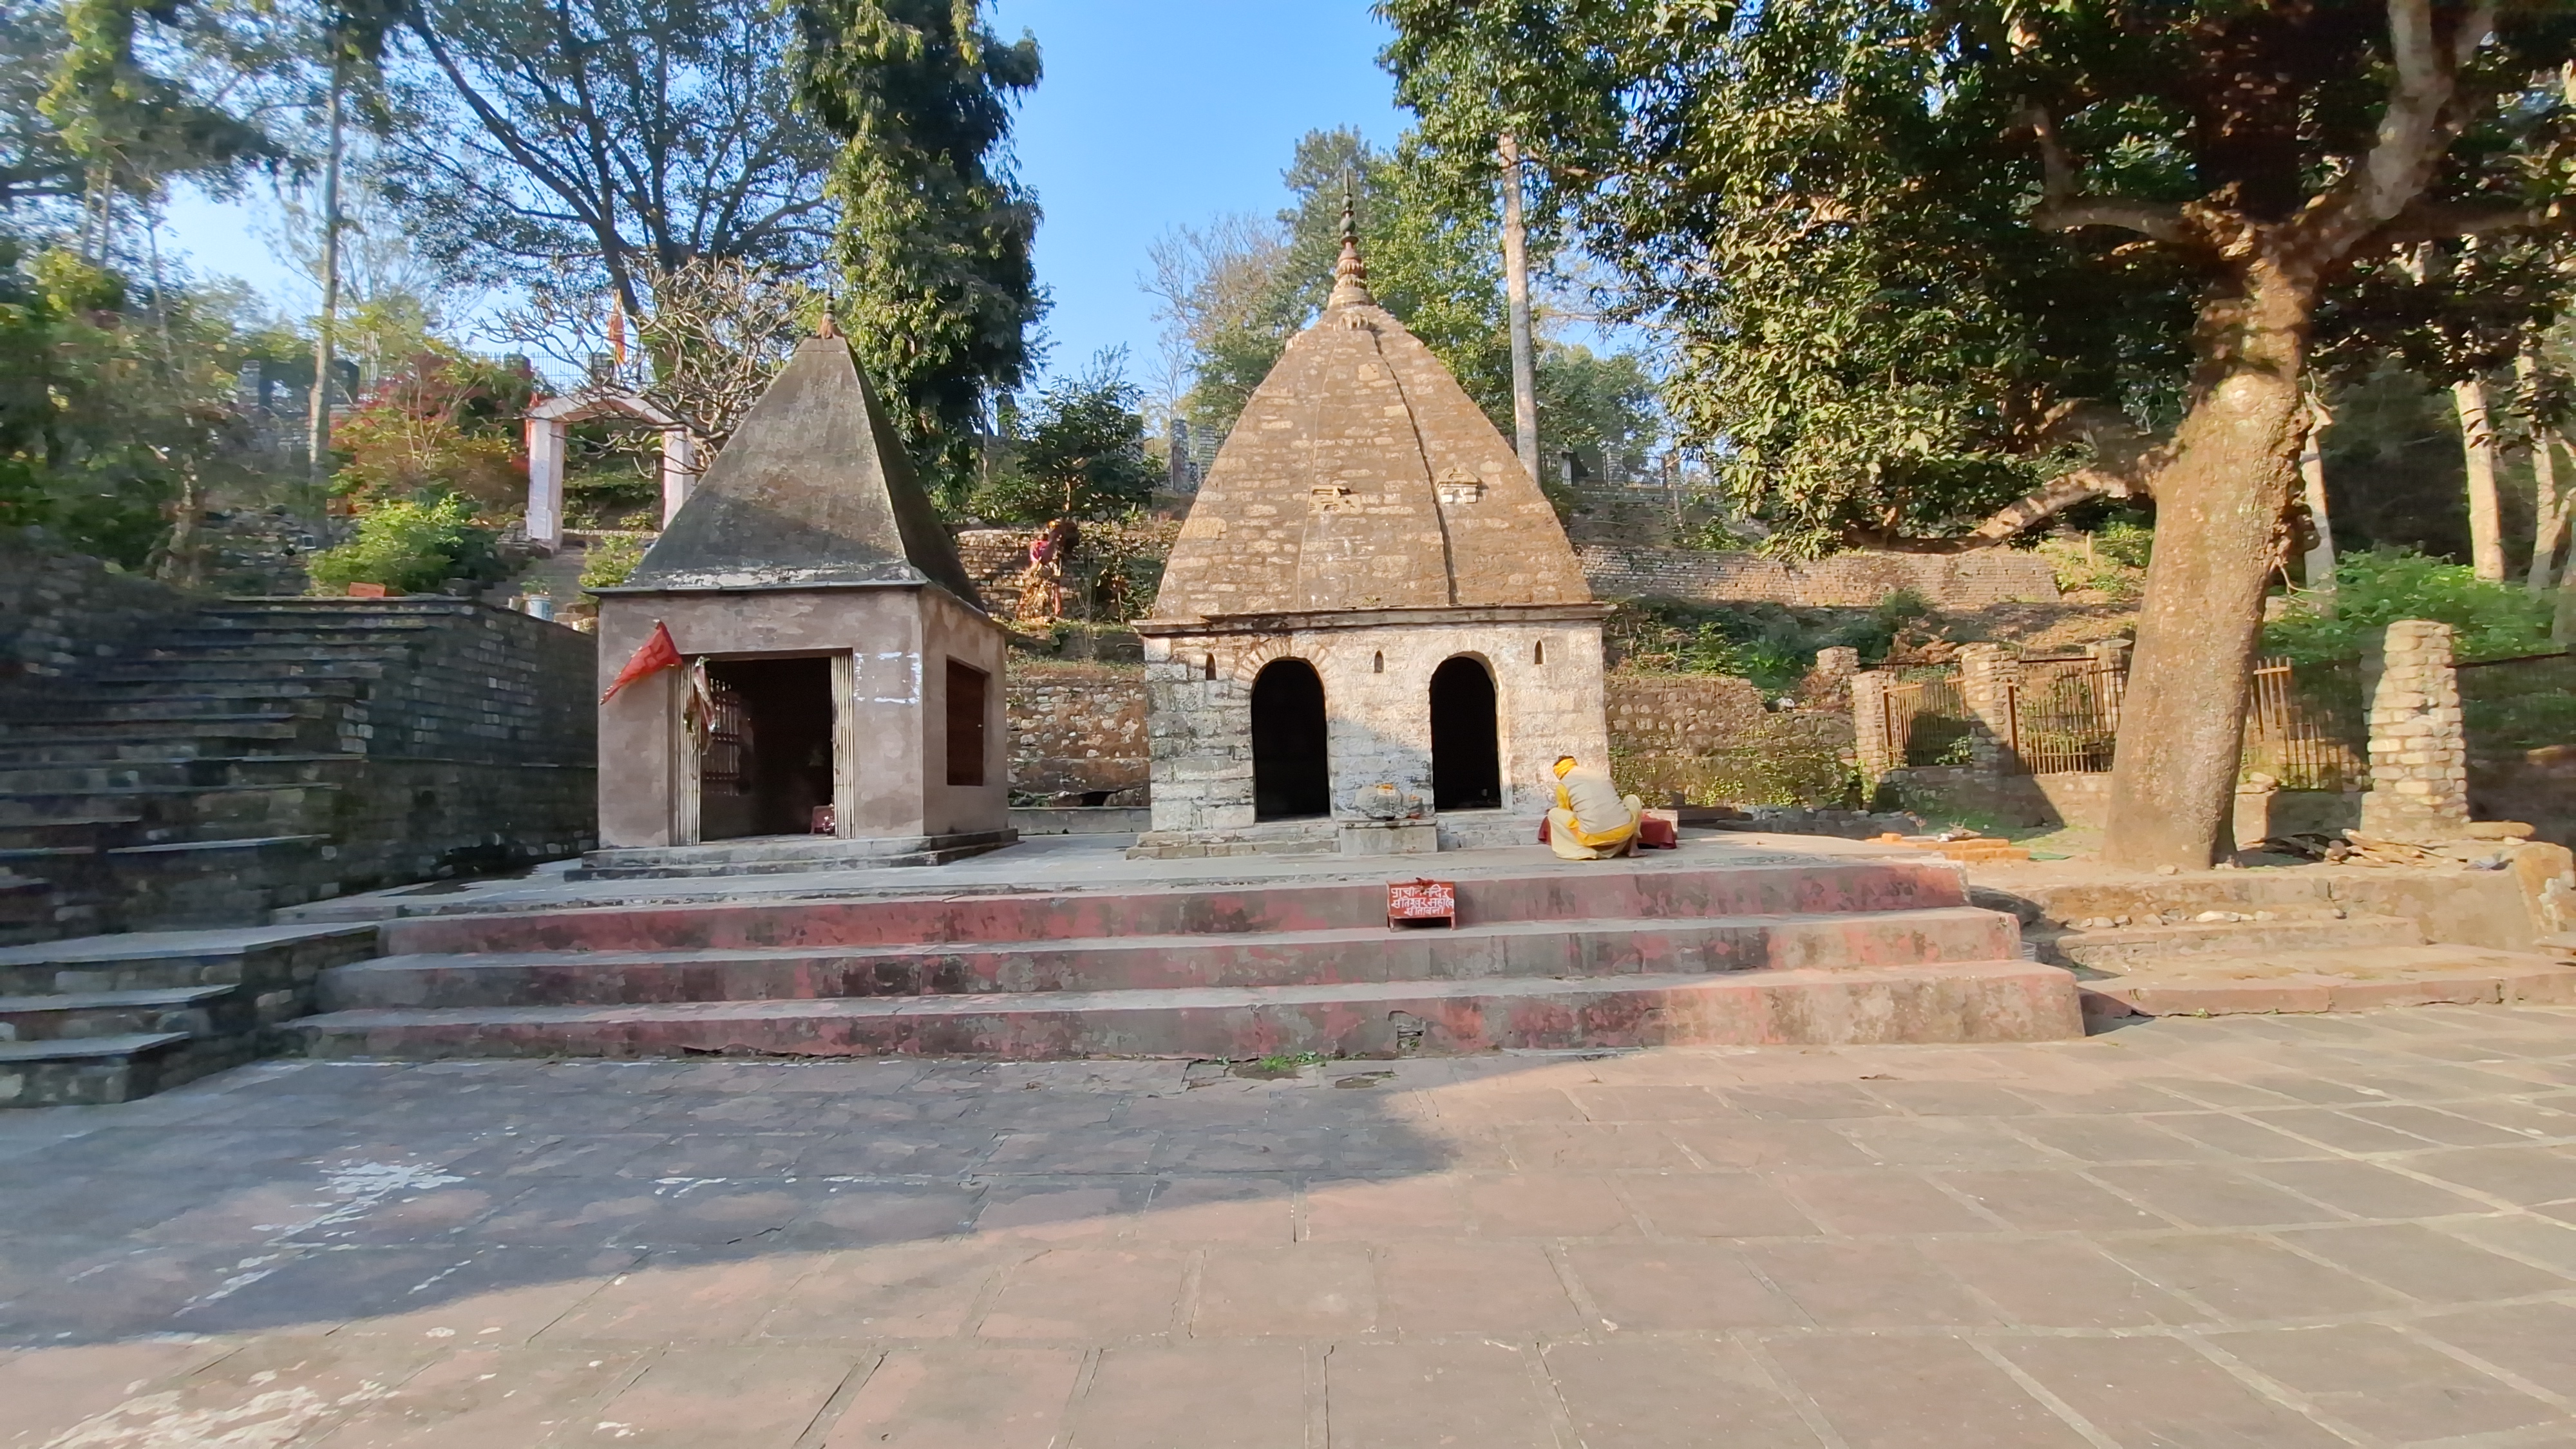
pixel 1809 887
pixel 2000 1001
pixel 1565 949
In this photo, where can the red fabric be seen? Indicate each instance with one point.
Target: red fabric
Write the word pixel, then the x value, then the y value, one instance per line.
pixel 1542 830
pixel 1659 830
pixel 657 654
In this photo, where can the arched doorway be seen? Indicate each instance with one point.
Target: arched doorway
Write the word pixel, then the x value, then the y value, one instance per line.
pixel 1291 773
pixel 1466 756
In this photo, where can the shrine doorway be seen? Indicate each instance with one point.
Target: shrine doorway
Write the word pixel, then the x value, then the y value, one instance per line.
pixel 1466 747
pixel 1291 765
pixel 767 765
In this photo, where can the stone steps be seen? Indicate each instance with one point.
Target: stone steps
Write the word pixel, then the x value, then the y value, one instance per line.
pixel 2341 979
pixel 71 1015
pixel 1519 894
pixel 197 671
pixel 1612 954
pixel 92 1071
pixel 193 772
pixel 246 809
pixel 2121 948
pixel 240 741
pixel 1559 949
pixel 102 1019
pixel 1959 1002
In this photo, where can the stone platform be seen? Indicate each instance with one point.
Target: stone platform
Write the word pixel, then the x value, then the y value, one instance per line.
pixel 1719 943
pixel 783 855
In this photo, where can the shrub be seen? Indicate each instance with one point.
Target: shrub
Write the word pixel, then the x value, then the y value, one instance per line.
pixel 2111 560
pixel 2376 589
pixel 1772 645
pixel 611 560
pixel 413 548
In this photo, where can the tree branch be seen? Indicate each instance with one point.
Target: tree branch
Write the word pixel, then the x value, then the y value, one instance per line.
pixel 2125 460
pixel 2062 209
pixel 2419 125
pixel 2432 221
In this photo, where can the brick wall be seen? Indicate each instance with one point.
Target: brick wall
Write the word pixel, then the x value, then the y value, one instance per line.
pixel 487 685
pixel 59 610
pixel 1847 580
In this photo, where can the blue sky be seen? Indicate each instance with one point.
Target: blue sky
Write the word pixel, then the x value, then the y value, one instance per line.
pixel 1153 113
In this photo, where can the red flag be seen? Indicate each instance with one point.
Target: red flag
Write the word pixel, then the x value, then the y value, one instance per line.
pixel 657 654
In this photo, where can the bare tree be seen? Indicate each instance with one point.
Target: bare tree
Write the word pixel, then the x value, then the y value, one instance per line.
pixel 713 333
pixel 631 135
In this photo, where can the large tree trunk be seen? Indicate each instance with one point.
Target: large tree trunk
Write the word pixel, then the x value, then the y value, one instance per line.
pixel 2478 450
pixel 2219 507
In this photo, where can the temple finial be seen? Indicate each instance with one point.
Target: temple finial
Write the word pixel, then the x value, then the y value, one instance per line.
pixel 1350 274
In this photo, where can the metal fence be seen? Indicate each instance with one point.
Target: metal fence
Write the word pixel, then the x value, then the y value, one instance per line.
pixel 2066 713
pixel 2511 707
pixel 2306 726
pixel 1928 722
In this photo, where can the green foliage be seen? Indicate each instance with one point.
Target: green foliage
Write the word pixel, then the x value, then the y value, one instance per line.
pixel 1083 456
pixel 611 560
pixel 2111 560
pixel 2376 589
pixel 935 231
pixel 412 547
pixel 110 406
pixel 1833 206
pixel 132 125
pixel 1435 262
pixel 1786 760
pixel 1773 645
pixel 444 425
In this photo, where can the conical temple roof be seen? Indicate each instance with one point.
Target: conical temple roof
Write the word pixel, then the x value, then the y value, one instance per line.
pixel 1361 476
pixel 812 490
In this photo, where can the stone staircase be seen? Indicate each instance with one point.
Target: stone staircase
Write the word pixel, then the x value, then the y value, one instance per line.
pixel 210 776
pixel 1606 956
pixel 113 1018
pixel 2236 942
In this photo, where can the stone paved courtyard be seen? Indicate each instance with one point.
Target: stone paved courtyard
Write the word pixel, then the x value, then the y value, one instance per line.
pixel 2241 1232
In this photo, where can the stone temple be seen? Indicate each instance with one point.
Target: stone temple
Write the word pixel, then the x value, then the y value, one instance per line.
pixel 1372 633
pixel 852 703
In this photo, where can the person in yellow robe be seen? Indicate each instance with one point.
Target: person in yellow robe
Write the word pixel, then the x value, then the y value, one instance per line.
pixel 1592 820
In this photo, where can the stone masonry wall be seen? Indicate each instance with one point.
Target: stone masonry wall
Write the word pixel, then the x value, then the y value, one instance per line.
pixel 60 610
pixel 1547 684
pixel 489 685
pixel 1847 580
pixel 1077 729
pixel 2419 752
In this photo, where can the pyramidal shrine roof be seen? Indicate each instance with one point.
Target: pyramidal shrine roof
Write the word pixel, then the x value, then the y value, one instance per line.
pixel 1361 476
pixel 813 490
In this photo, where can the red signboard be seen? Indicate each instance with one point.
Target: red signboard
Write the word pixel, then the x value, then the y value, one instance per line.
pixel 1412 901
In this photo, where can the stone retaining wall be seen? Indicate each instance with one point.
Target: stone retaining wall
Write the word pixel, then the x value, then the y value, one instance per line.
pixel 1081 728
pixel 1077 729
pixel 1846 580
pixel 60 610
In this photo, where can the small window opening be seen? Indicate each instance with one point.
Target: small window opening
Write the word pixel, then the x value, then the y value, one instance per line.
pixel 1377 665
pixel 1538 652
pixel 1208 664
pixel 965 724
